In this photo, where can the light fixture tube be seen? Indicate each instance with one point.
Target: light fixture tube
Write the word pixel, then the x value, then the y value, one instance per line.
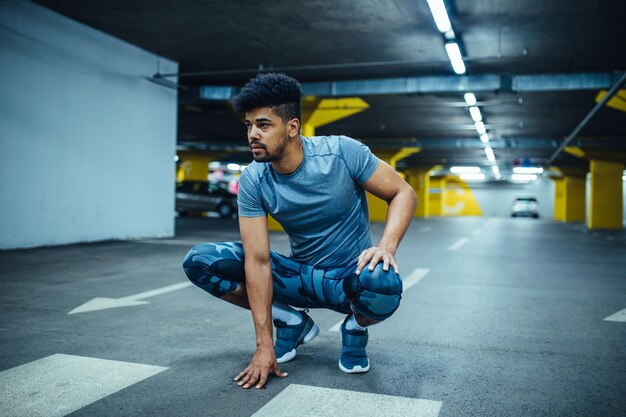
pixel 527 170
pixel 454 53
pixel 475 113
pixel 523 177
pixel 472 177
pixel 484 138
pixel 489 152
pixel 470 99
pixel 438 10
pixel 480 128
pixel 465 170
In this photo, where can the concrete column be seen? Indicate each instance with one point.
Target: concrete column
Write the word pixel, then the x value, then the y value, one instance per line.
pixel 435 195
pixel 419 180
pixel 606 195
pixel 194 165
pixel 559 198
pixel 574 199
pixel 378 207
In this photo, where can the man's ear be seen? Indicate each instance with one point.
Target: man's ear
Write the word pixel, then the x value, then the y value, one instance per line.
pixel 293 127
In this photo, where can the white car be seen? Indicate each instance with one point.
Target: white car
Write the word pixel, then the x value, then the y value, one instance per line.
pixel 525 206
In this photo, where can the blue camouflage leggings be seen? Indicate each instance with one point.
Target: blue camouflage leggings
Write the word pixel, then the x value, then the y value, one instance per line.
pixel 218 268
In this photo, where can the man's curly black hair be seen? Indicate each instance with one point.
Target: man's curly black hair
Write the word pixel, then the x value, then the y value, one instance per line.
pixel 278 91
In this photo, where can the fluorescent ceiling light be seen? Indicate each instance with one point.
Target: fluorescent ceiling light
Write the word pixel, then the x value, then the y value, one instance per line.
pixel 489 152
pixel 480 128
pixel 438 10
pixel 233 167
pixel 470 99
pixel 527 170
pixel 495 169
pixel 454 53
pixel 473 177
pixel 475 113
pixel 465 170
pixel 523 177
pixel 484 138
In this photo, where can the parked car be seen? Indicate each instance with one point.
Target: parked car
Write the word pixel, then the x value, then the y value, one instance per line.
pixel 200 196
pixel 525 206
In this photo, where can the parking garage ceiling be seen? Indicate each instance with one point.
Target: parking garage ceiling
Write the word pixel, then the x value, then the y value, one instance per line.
pixel 536 68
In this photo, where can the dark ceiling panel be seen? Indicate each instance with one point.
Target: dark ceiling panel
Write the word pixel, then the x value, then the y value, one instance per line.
pixel 323 40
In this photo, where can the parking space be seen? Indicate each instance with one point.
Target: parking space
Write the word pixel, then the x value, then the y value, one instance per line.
pixel 512 322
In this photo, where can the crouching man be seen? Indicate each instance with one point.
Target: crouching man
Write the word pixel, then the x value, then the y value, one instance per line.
pixel 315 188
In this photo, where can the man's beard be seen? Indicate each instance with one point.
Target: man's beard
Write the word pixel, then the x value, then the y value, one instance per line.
pixel 277 154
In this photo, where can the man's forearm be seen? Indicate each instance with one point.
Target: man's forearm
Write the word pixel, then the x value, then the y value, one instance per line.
pixel 259 288
pixel 399 215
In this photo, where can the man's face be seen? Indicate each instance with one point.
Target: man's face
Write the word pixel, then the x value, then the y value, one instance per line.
pixel 268 135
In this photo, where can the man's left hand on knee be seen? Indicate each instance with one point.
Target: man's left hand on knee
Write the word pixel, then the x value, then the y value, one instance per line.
pixel 373 256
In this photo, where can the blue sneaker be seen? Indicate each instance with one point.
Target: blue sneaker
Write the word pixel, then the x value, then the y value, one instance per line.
pixel 353 359
pixel 288 338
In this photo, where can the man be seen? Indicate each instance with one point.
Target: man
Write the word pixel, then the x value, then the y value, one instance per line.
pixel 315 188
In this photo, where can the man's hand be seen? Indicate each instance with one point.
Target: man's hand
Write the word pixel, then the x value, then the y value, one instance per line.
pixel 374 255
pixel 263 362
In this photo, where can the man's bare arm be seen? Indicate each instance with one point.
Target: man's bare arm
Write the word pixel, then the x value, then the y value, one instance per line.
pixel 256 246
pixel 386 184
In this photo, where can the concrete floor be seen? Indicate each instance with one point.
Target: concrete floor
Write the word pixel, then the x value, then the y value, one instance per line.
pixel 507 320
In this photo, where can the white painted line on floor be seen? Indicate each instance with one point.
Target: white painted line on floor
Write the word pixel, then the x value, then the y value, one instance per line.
pixel 457 245
pixel 425 229
pixel 619 316
pixel 477 232
pixel 415 277
pixel 102 303
pixel 61 384
pixel 307 401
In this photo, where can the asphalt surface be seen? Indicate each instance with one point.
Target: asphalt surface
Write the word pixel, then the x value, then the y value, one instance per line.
pixel 507 321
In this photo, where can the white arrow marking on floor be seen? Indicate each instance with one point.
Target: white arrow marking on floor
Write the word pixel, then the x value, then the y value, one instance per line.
pixel 619 316
pixel 415 277
pixel 457 245
pixel 307 401
pixel 101 303
pixel 58 385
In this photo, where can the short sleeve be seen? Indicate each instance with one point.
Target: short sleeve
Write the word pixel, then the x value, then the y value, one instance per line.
pixel 360 160
pixel 248 198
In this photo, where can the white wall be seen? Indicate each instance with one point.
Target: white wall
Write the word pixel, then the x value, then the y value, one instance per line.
pixel 86 142
pixel 496 199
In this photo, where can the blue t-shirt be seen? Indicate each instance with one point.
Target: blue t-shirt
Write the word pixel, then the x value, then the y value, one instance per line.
pixel 321 205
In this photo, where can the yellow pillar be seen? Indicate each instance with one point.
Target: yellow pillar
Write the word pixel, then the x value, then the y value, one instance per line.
pixel 571 189
pixel 194 165
pixel 419 180
pixel 378 207
pixel 559 198
pixel 606 210
pixel 435 195
pixel 575 199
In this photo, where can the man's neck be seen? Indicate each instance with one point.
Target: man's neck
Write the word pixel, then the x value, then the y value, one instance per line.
pixel 291 159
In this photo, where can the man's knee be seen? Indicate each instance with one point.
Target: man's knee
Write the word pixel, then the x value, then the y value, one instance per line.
pixel 379 293
pixel 215 267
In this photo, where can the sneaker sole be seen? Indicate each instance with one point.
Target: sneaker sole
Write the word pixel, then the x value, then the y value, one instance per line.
pixel 356 370
pixel 315 330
